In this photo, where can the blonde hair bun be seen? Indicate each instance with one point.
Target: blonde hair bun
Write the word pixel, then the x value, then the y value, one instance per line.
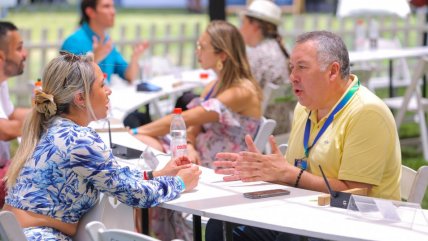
pixel 45 104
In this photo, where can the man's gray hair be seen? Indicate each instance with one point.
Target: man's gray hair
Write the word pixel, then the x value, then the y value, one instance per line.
pixel 330 48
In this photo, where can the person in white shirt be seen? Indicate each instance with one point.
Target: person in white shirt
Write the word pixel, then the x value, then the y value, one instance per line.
pixel 12 58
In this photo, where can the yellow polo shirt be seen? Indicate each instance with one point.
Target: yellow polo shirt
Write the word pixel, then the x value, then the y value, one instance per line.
pixel 361 144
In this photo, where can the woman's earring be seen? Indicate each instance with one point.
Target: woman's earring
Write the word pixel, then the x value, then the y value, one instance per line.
pixel 219 65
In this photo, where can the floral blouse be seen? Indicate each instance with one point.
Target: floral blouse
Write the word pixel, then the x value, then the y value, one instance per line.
pixel 70 166
pixel 269 65
pixel 226 135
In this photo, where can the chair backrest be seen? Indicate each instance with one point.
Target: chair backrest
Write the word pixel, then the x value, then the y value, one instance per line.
pixel 401 74
pixel 10 229
pixel 265 130
pixel 363 73
pixel 98 232
pixel 414 183
pixel 267 95
pixel 109 211
pixel 283 148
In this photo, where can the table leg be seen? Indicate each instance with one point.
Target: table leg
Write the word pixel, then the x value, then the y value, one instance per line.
pixel 391 72
pixel 197 228
pixel 424 86
pixel 145 221
pixel 227 231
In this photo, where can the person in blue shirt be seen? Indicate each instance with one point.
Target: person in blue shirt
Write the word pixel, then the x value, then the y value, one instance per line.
pixel 62 165
pixel 97 17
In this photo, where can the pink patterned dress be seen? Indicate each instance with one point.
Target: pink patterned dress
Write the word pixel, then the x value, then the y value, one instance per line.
pixel 226 135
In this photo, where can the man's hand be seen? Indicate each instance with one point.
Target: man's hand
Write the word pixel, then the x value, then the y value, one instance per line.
pixel 139 49
pixel 251 165
pixel 101 49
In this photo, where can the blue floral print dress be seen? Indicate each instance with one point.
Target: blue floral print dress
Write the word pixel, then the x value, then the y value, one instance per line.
pixel 69 167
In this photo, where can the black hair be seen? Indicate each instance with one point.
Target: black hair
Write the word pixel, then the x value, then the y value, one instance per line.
pixel 5 27
pixel 83 5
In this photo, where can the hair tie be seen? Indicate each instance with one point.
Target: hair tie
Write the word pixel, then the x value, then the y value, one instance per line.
pixel 45 104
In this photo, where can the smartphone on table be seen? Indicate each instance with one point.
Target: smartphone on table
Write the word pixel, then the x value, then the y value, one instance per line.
pixel 266 193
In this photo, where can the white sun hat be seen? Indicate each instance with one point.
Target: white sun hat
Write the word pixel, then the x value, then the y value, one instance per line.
pixel 264 10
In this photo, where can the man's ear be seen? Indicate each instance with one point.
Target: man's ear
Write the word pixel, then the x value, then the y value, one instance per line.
pixel 334 71
pixel 90 12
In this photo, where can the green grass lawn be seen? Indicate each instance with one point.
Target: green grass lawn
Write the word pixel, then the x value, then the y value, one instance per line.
pixel 67 17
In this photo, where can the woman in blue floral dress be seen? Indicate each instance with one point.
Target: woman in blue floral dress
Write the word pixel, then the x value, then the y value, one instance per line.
pixel 62 165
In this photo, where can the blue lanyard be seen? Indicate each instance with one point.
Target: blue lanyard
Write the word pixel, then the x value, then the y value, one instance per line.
pixel 211 91
pixel 329 120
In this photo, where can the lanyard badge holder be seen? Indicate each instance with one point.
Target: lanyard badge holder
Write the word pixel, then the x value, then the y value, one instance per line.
pixel 338 199
pixel 301 163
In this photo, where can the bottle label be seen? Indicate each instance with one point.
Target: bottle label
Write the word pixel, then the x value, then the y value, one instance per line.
pixel 179 148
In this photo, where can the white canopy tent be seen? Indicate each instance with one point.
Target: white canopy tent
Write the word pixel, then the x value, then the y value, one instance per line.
pixel 347 8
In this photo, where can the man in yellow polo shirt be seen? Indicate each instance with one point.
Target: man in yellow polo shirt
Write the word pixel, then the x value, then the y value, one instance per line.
pixel 337 124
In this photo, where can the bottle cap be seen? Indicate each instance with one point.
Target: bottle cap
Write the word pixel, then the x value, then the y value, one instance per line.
pixel 38 82
pixel 203 75
pixel 177 111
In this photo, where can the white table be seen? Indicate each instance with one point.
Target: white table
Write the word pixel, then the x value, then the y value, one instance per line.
pixel 387 54
pixel 125 98
pixel 413 94
pixel 296 213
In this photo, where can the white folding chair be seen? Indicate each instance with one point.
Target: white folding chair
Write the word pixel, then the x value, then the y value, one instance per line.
pixel 265 130
pixel 414 183
pixel 98 232
pixel 401 75
pixel 413 101
pixel 112 213
pixel 10 229
pixel 363 73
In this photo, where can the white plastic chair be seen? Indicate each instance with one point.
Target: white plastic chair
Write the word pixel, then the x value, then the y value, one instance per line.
pixel 265 130
pixel 112 213
pixel 98 232
pixel 283 148
pixel 267 95
pixel 414 183
pixel 10 229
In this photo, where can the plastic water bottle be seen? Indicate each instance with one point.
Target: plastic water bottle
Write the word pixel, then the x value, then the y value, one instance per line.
pixel 360 35
pixel 178 135
pixel 373 33
pixel 37 87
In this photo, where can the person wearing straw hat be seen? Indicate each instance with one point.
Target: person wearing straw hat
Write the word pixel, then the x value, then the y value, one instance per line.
pixel 267 55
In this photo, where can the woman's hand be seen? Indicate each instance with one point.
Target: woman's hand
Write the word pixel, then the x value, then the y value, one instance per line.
pixel 173 167
pixel 190 176
pixel 193 154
